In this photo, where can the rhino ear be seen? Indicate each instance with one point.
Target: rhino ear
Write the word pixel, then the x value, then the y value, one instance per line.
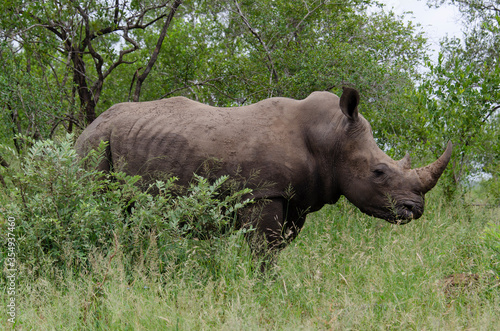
pixel 349 103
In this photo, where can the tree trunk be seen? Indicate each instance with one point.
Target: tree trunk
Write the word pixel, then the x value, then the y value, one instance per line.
pixel 87 103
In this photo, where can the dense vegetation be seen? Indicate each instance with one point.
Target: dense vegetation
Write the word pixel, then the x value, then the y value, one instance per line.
pixel 84 262
pixel 92 252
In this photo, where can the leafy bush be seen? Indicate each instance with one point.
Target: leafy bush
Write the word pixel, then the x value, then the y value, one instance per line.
pixel 64 214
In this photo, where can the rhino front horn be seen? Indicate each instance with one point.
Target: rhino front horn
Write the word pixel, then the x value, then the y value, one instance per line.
pixel 430 174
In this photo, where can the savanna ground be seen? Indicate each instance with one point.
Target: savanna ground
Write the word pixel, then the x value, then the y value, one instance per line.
pixel 345 271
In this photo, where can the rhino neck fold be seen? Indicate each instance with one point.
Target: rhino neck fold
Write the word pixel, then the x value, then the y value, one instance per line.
pixel 323 155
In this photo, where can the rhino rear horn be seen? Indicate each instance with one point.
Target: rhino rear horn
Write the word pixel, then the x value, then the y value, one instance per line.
pixel 430 174
pixel 405 163
pixel 349 101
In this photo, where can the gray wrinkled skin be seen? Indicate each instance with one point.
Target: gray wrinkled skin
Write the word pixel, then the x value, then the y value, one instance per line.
pixel 312 150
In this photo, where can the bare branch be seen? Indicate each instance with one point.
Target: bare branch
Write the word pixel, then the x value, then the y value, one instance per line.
pixel 207 82
pixel 141 78
pixel 3 163
pixel 136 21
pixel 491 112
pixel 192 83
pixel 134 77
pixel 309 13
pixel 263 44
pixel 135 46
pixel 138 18
pixel 117 11
pixel 60 120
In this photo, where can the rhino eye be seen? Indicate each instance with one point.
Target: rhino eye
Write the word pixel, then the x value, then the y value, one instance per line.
pixel 380 172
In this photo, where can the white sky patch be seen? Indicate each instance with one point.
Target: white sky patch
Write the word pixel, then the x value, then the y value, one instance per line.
pixel 437 23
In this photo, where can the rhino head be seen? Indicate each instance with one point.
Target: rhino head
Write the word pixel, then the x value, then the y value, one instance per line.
pixel 378 185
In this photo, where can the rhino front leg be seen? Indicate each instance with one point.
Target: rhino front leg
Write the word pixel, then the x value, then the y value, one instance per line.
pixel 271 224
pixel 266 217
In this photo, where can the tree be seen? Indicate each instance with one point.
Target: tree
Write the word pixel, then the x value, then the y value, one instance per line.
pixel 223 52
pixel 234 52
pixel 30 105
pixel 461 94
pixel 85 33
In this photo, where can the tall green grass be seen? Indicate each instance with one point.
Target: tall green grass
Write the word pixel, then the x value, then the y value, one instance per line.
pixel 344 271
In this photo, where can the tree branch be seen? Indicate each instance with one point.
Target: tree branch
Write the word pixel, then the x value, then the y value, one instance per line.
pixel 194 83
pixel 309 13
pixel 123 53
pixel 490 113
pixel 141 78
pixel 3 163
pixel 274 73
pixel 78 32
pixel 139 17
pixel 117 11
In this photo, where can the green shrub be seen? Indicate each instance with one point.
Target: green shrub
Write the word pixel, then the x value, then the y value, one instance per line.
pixel 65 214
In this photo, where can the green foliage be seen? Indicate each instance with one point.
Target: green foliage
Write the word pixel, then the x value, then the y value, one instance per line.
pixel 459 99
pixel 65 214
pixel 202 213
pixel 461 103
pixel 95 252
pixel 218 52
pixel 228 53
pixel 29 105
pixel 344 271
pixel 492 241
pixel 76 45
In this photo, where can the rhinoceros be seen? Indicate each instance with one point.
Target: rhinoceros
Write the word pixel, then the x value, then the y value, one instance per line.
pixel 319 148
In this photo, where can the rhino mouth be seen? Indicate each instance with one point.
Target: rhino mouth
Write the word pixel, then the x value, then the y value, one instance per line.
pixel 400 214
pixel 397 211
pixel 404 213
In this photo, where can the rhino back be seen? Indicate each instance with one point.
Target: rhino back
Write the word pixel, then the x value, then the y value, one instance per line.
pixel 176 136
